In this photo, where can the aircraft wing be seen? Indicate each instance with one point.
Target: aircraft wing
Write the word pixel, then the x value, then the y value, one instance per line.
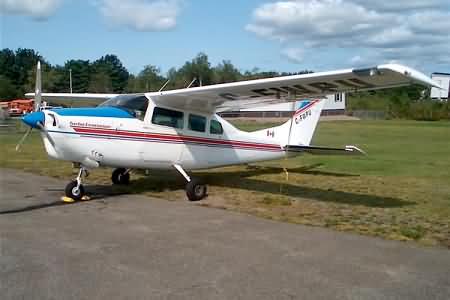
pixel 73 96
pixel 221 97
pixel 290 88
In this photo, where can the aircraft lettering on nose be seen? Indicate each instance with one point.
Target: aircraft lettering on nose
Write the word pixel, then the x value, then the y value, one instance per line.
pixel 179 129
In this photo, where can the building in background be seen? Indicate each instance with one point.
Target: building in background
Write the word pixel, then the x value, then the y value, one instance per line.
pixel 334 105
pixel 444 81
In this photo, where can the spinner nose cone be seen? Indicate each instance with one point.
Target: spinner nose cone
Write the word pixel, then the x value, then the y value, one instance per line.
pixel 34 118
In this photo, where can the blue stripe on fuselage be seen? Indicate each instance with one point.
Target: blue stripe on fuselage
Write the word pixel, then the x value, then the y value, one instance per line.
pixel 105 112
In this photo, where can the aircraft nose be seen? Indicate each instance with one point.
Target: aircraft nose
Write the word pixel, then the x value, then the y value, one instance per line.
pixel 33 118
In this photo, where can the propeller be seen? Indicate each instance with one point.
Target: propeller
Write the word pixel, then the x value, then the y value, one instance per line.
pixel 42 128
pixel 24 137
pixel 36 118
pixel 38 88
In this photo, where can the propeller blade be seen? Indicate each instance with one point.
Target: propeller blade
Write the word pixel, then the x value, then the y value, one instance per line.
pixel 23 138
pixel 42 128
pixel 38 88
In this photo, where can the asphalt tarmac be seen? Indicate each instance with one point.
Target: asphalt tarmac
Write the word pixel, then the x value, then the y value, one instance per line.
pixel 135 247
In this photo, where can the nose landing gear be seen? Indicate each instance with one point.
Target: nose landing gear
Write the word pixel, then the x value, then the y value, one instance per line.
pixel 75 189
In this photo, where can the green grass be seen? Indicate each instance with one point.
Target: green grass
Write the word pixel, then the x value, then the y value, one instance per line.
pixel 400 191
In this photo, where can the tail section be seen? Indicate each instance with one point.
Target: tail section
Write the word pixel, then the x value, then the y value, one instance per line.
pixel 298 130
pixel 295 135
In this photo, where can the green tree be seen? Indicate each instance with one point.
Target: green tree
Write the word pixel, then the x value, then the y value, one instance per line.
pixel 8 90
pixel 150 79
pixel 226 72
pixel 100 82
pixel 80 76
pixel 111 65
pixel 198 68
pixel 7 63
pixel 15 67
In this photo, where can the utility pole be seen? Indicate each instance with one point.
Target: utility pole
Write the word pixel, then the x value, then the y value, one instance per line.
pixel 70 80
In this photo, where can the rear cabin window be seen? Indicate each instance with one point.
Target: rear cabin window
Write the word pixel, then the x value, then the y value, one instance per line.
pixel 197 123
pixel 167 117
pixel 215 127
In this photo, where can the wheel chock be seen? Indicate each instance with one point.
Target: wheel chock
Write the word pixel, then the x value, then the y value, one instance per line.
pixel 67 199
pixel 70 200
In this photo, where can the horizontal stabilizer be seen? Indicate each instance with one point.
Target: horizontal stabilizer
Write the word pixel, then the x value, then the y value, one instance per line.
pixel 348 150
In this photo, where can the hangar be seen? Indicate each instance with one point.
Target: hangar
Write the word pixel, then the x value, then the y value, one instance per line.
pixel 444 81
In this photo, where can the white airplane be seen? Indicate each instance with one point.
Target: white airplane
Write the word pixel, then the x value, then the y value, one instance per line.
pixel 180 130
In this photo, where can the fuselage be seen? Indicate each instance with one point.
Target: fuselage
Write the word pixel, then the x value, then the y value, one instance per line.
pixel 113 137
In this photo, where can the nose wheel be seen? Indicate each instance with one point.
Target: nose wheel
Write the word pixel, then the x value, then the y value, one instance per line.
pixel 75 189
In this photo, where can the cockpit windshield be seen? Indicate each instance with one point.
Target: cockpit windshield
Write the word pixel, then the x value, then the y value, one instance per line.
pixel 134 104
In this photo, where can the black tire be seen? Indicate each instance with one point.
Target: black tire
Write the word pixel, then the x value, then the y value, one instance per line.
pixel 120 176
pixel 196 190
pixel 73 192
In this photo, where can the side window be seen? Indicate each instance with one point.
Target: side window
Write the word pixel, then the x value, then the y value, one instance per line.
pixel 197 123
pixel 337 98
pixel 215 127
pixel 167 117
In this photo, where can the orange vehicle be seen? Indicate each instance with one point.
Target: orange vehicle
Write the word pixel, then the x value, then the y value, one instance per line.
pixel 20 107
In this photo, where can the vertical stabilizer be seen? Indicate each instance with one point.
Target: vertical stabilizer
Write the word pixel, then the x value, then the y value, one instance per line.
pixel 304 122
pixel 298 130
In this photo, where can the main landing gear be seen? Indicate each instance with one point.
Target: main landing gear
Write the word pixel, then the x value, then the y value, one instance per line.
pixel 195 189
pixel 121 176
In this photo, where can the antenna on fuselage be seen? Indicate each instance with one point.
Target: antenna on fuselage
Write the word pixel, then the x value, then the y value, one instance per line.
pixel 192 82
pixel 164 85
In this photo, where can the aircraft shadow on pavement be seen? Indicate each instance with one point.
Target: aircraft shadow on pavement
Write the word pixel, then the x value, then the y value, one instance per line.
pixel 243 180
pixel 238 179
pixel 96 192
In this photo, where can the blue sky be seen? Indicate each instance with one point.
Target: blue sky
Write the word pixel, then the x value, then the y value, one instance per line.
pixel 269 35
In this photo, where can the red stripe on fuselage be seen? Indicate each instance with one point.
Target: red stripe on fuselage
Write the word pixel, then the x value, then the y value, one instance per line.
pixel 174 138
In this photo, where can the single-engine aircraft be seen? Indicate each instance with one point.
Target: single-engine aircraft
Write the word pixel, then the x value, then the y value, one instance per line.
pixel 180 130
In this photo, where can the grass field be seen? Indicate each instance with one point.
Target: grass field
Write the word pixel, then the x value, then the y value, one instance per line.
pixel 400 191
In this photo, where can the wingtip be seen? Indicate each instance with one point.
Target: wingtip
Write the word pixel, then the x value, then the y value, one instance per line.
pixel 355 150
pixel 415 75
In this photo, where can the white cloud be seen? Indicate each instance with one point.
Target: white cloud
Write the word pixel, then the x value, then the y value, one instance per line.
pixel 37 9
pixel 397 6
pixel 141 15
pixel 413 31
pixel 294 55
